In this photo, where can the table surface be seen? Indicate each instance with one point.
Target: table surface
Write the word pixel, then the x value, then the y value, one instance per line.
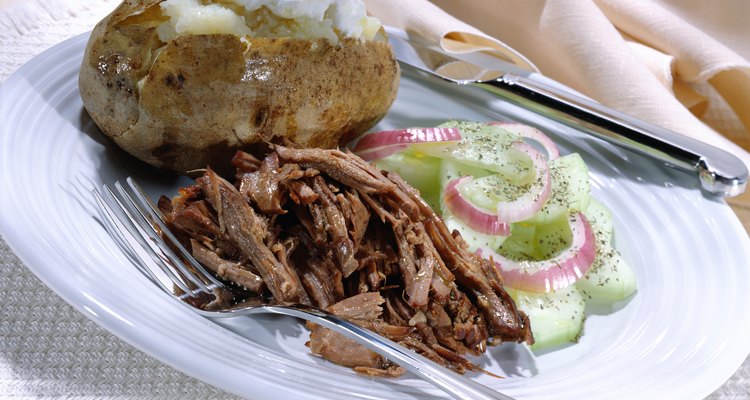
pixel 48 349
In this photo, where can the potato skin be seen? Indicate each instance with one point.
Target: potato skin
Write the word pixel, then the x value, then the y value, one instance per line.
pixel 206 96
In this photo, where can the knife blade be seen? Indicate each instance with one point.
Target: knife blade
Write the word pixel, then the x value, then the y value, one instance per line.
pixel 720 173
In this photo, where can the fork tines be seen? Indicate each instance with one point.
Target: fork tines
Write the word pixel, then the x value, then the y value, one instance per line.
pixel 130 216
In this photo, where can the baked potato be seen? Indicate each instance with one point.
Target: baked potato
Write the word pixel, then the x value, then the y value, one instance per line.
pixel 181 89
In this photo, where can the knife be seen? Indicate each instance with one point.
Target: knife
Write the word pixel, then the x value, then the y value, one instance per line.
pixel 720 172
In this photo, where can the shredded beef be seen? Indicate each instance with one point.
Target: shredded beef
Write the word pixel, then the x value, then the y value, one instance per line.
pixel 324 227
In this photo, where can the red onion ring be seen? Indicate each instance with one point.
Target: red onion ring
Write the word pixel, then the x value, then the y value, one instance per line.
pixel 376 140
pixel 555 273
pixel 382 152
pixel 531 133
pixel 475 218
pixel 531 201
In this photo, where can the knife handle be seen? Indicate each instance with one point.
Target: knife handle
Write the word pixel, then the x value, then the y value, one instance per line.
pixel 720 173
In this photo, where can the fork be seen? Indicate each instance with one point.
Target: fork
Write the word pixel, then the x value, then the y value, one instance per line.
pixel 134 222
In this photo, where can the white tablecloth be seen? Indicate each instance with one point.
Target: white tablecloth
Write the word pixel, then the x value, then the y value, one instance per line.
pixel 48 349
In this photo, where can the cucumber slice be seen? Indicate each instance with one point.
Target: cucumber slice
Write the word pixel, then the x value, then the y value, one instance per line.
pixel 451 169
pixel 537 242
pixel 569 192
pixel 474 239
pixel 484 147
pixel 556 317
pixel 553 238
pixel 420 171
pixel 610 278
pixel 486 192
pixel 600 220
pixel 521 244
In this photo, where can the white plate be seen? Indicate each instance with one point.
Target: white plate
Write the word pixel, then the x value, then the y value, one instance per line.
pixel 682 335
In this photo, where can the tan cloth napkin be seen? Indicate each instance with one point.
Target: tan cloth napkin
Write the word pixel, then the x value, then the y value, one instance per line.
pixel 659 61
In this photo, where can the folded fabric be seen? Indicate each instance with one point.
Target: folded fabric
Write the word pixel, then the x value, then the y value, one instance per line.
pixel 639 57
pixel 434 24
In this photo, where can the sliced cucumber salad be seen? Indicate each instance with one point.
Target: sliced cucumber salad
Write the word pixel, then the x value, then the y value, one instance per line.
pixel 517 202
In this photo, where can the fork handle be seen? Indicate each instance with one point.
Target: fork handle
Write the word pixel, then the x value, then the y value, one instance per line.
pixel 458 386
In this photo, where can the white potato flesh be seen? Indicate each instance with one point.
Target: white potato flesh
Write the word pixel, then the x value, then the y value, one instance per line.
pixel 329 19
